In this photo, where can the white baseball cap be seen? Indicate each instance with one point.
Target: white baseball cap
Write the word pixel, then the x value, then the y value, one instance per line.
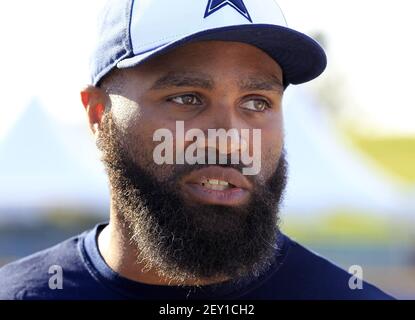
pixel 133 31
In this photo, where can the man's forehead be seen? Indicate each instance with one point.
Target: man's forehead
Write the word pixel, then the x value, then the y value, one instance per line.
pixel 206 63
pixel 201 53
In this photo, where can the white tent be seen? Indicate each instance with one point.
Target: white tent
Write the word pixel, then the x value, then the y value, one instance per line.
pixel 38 170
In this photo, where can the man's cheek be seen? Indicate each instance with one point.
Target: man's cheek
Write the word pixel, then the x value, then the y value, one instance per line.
pixel 126 113
pixel 269 164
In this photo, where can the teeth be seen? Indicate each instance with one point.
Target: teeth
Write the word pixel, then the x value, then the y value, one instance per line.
pixel 215 184
pixel 216 187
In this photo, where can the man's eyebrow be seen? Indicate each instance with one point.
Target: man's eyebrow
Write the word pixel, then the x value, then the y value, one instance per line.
pixel 184 79
pixel 262 82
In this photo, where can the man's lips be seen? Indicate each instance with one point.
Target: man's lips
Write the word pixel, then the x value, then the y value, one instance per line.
pixel 217 186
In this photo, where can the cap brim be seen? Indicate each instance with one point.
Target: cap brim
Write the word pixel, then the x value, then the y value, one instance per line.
pixel 300 57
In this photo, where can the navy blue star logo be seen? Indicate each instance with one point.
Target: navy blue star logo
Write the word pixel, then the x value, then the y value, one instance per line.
pixel 238 5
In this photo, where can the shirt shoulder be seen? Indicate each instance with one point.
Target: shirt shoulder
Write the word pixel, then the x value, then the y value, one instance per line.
pixel 304 274
pixel 44 274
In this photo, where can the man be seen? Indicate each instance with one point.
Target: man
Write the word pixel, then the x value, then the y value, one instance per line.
pixel 190 224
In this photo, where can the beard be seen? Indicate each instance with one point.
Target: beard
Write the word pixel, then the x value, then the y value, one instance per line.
pixel 188 241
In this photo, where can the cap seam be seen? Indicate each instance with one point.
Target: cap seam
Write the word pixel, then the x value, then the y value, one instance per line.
pixel 130 48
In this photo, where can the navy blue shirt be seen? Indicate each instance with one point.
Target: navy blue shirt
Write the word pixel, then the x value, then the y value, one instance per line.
pixel 296 274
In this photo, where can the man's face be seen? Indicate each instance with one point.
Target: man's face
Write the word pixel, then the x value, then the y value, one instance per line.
pixel 180 224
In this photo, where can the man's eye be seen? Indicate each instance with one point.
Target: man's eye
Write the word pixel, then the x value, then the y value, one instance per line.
pixel 257 105
pixel 186 99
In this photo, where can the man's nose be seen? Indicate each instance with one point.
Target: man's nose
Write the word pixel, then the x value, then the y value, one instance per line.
pixel 225 134
pixel 225 141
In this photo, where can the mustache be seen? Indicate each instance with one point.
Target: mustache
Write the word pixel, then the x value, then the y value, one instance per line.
pixel 180 171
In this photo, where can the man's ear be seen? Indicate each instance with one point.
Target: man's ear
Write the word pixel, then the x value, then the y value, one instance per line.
pixel 94 100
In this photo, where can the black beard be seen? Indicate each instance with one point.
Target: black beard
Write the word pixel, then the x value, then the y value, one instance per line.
pixel 183 241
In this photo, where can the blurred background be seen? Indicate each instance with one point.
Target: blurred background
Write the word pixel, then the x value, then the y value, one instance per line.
pixel 350 134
